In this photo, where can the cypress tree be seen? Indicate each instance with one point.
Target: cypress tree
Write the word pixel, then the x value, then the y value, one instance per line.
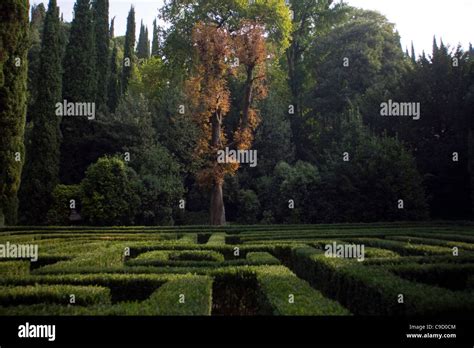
pixel 155 44
pixel 13 98
pixel 147 42
pixel 143 46
pixel 413 55
pixel 114 88
pixel 101 29
pixel 38 12
pixel 129 48
pixel 41 173
pixel 79 86
pixel 79 80
pixel 111 31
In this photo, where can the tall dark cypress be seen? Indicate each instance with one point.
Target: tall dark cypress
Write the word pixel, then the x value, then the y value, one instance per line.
pixel 102 35
pixel 147 43
pixel 155 44
pixel 111 30
pixel 38 12
pixel 143 45
pixel 79 86
pixel 114 86
pixel 129 49
pixel 413 55
pixel 80 79
pixel 41 172
pixel 14 44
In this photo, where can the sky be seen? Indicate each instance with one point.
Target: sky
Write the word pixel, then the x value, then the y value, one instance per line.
pixel 416 20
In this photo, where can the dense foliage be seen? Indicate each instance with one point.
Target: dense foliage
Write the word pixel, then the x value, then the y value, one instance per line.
pixel 301 82
pixel 13 101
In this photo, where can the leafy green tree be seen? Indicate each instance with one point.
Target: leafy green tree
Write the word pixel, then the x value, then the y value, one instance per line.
pixel 110 193
pixel 364 177
pixel 162 88
pixel 273 139
pixel 14 46
pixel 161 186
pixel 359 64
pixel 41 173
pixel 248 207
pixel 311 21
pixel 293 194
pixel 361 178
pixel 183 15
pixel 442 84
pixel 131 124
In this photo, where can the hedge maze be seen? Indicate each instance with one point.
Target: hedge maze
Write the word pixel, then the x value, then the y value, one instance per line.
pixel 408 269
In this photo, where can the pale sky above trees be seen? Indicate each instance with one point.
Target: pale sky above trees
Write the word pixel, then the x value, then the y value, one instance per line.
pixel 416 20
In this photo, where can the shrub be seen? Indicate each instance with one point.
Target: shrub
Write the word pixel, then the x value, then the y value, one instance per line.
pixel 161 185
pixel 110 193
pixel 60 209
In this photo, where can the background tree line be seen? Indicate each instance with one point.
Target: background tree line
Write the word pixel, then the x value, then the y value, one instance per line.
pixel 324 152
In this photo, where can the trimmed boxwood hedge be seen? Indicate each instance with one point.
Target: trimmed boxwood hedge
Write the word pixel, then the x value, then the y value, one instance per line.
pixel 289 295
pixel 262 258
pixel 11 268
pixel 450 276
pixel 413 259
pixel 369 290
pixel 164 301
pixel 84 295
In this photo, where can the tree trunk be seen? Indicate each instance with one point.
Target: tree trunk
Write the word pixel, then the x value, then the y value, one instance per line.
pixel 217 204
pixel 217 200
pixel 248 98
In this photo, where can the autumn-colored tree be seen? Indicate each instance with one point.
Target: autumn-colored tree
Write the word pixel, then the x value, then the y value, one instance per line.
pixel 250 50
pixel 221 55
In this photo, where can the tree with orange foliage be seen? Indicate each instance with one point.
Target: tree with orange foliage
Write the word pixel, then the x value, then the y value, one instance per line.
pixel 249 46
pixel 209 99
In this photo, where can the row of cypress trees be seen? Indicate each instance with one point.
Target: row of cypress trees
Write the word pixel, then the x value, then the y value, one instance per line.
pixel 86 71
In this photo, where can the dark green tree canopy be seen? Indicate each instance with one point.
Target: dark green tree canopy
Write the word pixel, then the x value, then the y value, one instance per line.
pixel 41 173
